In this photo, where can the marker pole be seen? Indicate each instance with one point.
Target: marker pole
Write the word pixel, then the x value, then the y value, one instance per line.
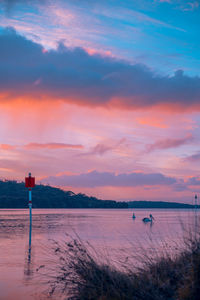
pixel 30 214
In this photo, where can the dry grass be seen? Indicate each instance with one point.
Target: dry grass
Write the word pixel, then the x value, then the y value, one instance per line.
pixel 79 274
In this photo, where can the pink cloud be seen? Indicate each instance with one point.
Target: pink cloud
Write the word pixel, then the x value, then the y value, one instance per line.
pixel 152 121
pixel 12 165
pixel 52 146
pixel 193 158
pixel 107 146
pixel 169 143
pixel 194 181
pixel 92 51
pixel 6 147
pixel 94 179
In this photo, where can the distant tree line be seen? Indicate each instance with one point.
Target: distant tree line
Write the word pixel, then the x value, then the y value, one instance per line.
pixel 15 195
pixel 158 204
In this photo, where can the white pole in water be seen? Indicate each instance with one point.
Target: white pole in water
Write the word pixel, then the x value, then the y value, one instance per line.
pixel 30 204
pixel 30 215
pixel 30 183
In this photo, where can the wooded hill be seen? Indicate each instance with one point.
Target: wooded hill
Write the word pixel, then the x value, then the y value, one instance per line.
pixel 15 195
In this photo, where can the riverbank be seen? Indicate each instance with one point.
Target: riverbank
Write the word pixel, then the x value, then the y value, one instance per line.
pixel 168 276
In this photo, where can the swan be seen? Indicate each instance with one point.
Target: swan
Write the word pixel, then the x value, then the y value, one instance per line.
pixel 150 219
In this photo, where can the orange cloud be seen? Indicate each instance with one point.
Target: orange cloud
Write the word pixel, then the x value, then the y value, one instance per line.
pixel 52 146
pixel 6 147
pixel 92 51
pixel 154 122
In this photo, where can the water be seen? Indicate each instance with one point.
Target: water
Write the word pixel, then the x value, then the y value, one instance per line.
pixel 113 232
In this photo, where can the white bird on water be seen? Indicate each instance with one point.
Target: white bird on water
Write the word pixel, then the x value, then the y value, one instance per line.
pixel 150 219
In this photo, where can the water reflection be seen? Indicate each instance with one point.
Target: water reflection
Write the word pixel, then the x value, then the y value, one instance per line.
pixel 111 231
pixel 28 268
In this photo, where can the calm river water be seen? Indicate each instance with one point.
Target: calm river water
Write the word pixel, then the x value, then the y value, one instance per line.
pixel 112 231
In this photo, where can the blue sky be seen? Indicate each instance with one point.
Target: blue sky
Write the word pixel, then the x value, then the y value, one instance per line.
pixel 161 34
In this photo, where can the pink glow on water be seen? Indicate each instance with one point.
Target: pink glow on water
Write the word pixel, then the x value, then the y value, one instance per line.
pixel 110 231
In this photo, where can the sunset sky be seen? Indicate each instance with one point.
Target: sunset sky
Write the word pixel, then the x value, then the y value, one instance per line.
pixel 102 97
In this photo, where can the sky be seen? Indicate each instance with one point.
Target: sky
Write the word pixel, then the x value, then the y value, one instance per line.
pixel 102 97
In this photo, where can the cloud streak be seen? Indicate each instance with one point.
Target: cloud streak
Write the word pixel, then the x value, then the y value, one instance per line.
pixel 6 147
pixel 72 75
pixel 35 146
pixel 10 4
pixel 52 146
pixel 169 143
pixel 102 148
pixel 95 179
pixel 193 158
pixel 194 181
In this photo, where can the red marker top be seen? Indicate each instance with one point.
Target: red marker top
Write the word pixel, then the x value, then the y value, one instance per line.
pixel 29 181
